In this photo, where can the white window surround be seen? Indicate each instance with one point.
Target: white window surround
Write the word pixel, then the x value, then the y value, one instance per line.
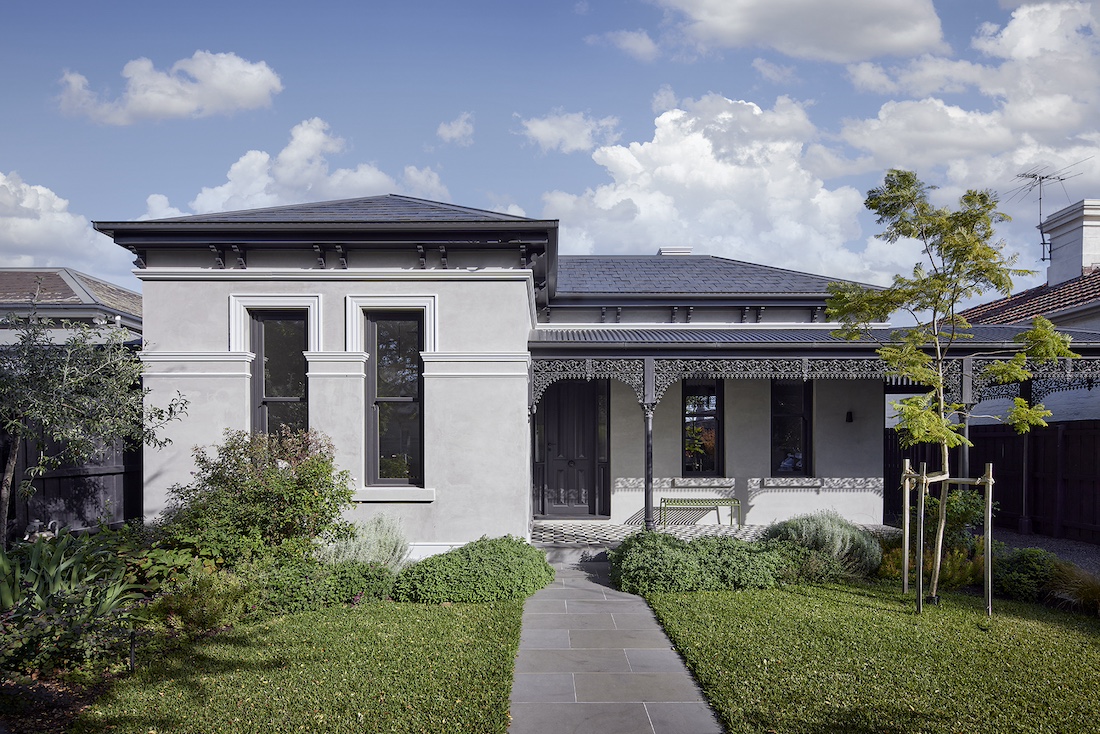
pixel 240 323
pixel 355 306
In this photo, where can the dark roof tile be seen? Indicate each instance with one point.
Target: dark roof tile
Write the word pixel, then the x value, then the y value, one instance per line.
pixel 389 208
pixel 681 274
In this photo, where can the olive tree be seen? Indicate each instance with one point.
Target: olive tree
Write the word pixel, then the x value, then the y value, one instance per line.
pixel 75 386
pixel 960 260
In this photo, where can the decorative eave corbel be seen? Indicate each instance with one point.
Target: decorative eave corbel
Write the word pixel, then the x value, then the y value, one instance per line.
pixel 422 256
pixel 219 256
pixel 139 257
pixel 320 252
pixel 343 255
pixel 240 257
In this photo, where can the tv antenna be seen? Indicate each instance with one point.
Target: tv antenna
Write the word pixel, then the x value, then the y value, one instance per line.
pixel 1034 179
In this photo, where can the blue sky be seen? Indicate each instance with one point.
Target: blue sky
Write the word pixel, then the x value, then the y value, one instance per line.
pixel 748 129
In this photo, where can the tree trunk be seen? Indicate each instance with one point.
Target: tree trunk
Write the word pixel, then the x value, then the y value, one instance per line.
pixel 5 487
pixel 942 524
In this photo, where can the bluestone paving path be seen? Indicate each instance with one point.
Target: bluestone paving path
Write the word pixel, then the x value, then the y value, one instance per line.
pixel 594 660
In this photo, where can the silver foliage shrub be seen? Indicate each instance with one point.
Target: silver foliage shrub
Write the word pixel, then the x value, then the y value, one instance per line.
pixel 379 540
pixel 830 533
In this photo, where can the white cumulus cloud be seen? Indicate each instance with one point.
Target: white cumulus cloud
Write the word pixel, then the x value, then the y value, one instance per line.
pixel 827 30
pixel 205 84
pixel 459 131
pixel 728 178
pixel 298 173
pixel 570 132
pixel 38 230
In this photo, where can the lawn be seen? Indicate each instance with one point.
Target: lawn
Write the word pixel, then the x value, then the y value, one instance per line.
pixel 377 667
pixel 859 659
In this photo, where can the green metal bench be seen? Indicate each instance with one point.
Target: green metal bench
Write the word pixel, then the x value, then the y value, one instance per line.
pixel 709 503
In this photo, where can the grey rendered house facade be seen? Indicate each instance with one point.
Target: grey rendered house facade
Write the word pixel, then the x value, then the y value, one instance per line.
pixel 473 380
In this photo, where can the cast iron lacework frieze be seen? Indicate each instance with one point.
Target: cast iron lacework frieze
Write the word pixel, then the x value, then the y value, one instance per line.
pixel 670 371
pixel 545 372
pixel 1047 378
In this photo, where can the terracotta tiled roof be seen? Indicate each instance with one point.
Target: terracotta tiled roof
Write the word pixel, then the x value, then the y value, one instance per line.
pixel 1043 300
pixel 19 287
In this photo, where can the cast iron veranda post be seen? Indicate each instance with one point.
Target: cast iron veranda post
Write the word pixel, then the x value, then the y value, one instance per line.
pixel 648 406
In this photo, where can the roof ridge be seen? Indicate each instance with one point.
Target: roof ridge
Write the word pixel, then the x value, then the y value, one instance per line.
pixel 254 212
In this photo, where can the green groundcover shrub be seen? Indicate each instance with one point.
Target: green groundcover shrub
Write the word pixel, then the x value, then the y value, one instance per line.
pixel 827 532
pixel 1025 573
pixel 486 570
pixel 64 604
pixel 649 562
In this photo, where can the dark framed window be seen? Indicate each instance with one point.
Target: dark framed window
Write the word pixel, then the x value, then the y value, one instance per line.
pixel 279 390
pixel 394 383
pixel 791 403
pixel 702 434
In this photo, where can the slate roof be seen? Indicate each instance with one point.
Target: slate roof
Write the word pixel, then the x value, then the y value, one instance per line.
pixel 389 208
pixel 63 287
pixel 1043 300
pixel 692 275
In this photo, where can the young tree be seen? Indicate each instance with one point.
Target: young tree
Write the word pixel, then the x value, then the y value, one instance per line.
pixel 960 260
pixel 77 386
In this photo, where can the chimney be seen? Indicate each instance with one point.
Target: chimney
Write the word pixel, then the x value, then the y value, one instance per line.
pixel 1074 241
pixel 685 249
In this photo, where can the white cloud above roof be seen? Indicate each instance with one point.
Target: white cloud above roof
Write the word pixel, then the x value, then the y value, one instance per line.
pixel 459 131
pixel 205 84
pixel 724 176
pixel 38 230
pixel 300 172
pixel 570 132
pixel 824 30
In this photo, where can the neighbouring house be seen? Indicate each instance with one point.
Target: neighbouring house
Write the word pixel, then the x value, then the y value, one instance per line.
pixel 473 379
pixel 108 487
pixel 1055 478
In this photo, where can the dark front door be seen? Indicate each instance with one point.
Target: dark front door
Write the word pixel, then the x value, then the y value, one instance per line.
pixel 571 411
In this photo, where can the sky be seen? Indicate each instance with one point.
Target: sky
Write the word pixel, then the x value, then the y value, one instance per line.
pixel 746 129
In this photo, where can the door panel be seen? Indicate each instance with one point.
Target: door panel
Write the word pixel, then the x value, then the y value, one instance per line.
pixel 570 414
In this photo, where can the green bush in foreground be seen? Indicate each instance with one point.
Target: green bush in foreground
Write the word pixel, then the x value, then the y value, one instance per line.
pixel 828 532
pixel 1025 574
pixel 64 603
pixel 490 569
pixel 648 562
pixel 260 493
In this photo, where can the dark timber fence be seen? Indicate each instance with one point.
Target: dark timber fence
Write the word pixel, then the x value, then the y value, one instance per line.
pixel 105 489
pixel 1047 481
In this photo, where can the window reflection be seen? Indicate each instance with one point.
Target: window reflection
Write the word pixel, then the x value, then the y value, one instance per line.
pixel 702 427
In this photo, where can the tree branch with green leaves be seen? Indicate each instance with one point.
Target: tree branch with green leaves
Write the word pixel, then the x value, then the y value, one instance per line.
pixel 70 390
pixel 960 260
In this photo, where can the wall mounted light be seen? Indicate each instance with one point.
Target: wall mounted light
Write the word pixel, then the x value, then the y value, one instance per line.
pixel 848 417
